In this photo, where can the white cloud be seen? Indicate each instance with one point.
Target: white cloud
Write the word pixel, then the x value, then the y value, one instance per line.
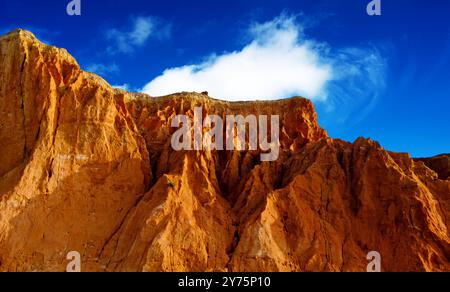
pixel 142 29
pixel 278 62
pixel 125 87
pixel 274 64
pixel 103 69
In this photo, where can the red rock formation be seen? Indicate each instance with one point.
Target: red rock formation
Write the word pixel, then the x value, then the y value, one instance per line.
pixel 90 168
pixel 440 164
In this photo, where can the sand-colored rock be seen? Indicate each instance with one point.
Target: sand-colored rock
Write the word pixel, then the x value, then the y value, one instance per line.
pixel 90 168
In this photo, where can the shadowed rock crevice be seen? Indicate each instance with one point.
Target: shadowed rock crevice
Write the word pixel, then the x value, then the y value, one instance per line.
pixel 440 164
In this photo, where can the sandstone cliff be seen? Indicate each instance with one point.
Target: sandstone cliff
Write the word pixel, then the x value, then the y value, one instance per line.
pixel 90 168
pixel 440 164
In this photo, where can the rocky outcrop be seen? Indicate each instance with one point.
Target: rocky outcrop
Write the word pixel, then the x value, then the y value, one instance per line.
pixel 440 164
pixel 90 168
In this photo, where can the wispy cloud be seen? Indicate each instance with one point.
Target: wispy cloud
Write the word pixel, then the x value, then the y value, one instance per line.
pixel 278 62
pixel 103 69
pixel 125 87
pixel 359 78
pixel 126 40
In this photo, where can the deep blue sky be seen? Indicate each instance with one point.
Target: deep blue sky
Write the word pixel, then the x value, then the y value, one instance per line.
pixel 410 113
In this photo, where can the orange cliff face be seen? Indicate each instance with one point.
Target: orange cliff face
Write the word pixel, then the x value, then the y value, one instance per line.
pixel 88 168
